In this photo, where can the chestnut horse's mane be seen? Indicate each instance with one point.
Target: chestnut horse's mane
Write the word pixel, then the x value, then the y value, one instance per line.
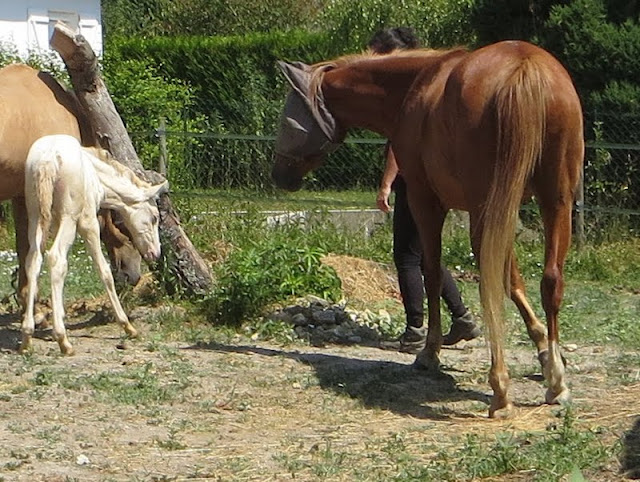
pixel 321 68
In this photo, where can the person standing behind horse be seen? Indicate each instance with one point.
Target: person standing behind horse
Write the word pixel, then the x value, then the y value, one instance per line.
pixel 407 250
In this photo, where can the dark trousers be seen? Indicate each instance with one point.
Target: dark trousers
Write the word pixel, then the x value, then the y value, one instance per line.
pixel 407 256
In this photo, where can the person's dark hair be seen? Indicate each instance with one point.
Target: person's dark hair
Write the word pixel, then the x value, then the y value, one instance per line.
pixel 384 41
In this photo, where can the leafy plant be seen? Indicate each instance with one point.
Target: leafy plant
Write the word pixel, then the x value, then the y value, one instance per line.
pixel 279 266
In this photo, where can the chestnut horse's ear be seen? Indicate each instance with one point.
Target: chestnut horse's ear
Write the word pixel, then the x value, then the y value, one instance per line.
pixel 298 74
pixel 287 67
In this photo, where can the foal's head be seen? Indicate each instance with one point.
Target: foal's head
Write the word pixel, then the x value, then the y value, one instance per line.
pixel 141 218
pixel 133 199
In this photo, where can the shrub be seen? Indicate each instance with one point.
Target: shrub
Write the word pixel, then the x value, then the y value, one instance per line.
pixel 279 266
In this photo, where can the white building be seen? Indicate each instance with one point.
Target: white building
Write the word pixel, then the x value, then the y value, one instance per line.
pixel 28 24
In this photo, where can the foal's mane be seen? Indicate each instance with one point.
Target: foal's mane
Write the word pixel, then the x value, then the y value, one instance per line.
pixel 120 169
pixel 319 69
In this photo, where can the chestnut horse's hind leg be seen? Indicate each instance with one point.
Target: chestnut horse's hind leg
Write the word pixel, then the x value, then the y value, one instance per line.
pixel 536 330
pixel 556 215
pixel 501 406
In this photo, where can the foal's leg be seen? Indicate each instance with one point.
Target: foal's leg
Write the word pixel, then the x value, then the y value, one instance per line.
pixel 89 229
pixel 58 264
pixel 22 248
pixel 536 330
pixel 32 266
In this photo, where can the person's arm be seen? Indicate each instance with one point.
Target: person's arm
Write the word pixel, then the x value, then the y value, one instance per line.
pixel 389 174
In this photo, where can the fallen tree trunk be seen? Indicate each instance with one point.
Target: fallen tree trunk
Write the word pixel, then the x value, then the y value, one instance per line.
pixel 81 62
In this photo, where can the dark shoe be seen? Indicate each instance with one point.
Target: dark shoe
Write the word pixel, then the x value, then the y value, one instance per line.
pixel 412 340
pixel 462 328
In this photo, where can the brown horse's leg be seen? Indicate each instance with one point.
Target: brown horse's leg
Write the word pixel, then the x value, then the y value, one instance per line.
pixel 536 330
pixel 501 406
pixel 22 247
pixel 429 217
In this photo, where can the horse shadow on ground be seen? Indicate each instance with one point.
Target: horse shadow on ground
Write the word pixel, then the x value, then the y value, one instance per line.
pixel 11 336
pixel 400 388
pixel 630 458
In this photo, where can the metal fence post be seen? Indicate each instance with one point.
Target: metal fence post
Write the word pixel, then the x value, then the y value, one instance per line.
pixel 162 135
pixel 580 211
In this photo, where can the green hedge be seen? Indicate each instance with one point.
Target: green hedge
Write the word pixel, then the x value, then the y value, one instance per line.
pixel 235 89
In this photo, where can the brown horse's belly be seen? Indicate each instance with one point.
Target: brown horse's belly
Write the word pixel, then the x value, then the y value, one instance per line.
pixel 12 185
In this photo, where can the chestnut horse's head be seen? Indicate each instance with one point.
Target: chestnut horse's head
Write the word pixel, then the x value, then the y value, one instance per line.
pixel 308 131
pixel 124 256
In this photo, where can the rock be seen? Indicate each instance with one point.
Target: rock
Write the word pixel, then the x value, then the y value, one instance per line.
pixel 82 460
pixel 299 320
pixel 324 317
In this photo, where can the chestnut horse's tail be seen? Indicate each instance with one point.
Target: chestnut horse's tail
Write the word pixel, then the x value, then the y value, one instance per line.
pixel 519 104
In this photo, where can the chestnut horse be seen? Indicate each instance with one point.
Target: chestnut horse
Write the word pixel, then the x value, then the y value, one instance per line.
pixel 33 104
pixel 476 131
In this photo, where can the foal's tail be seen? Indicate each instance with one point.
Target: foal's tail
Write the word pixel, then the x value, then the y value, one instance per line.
pixel 45 177
pixel 519 103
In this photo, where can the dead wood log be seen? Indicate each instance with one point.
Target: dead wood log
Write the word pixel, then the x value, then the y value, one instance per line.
pixel 81 62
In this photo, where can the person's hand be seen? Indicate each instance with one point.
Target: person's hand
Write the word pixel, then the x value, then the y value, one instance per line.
pixel 382 201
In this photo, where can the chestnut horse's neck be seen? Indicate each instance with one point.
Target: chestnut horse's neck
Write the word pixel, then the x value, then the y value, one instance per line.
pixel 368 91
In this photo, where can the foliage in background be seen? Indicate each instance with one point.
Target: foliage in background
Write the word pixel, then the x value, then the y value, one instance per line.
pixel 142 97
pixel 438 23
pixel 205 17
pixel 236 90
pixel 41 60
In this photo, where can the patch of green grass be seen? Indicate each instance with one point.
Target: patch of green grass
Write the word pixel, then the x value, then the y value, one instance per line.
pixel 562 449
pixel 140 385
pixel 172 441
pixel 545 457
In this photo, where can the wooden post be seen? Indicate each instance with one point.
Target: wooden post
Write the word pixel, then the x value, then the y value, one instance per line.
pixel 82 64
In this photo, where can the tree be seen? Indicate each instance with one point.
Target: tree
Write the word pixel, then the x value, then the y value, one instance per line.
pixel 82 65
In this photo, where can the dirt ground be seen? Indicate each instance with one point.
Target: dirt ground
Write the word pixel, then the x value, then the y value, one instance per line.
pixel 251 410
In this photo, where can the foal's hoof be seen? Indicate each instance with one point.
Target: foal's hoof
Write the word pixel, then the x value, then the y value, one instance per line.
pixel 131 331
pixel 561 398
pixel 501 411
pixel 26 347
pixel 65 348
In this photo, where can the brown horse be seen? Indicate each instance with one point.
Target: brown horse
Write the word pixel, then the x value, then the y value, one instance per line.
pixel 476 131
pixel 33 104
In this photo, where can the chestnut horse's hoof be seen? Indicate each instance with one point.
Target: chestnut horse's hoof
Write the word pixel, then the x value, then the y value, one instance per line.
pixel 543 358
pixel 428 363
